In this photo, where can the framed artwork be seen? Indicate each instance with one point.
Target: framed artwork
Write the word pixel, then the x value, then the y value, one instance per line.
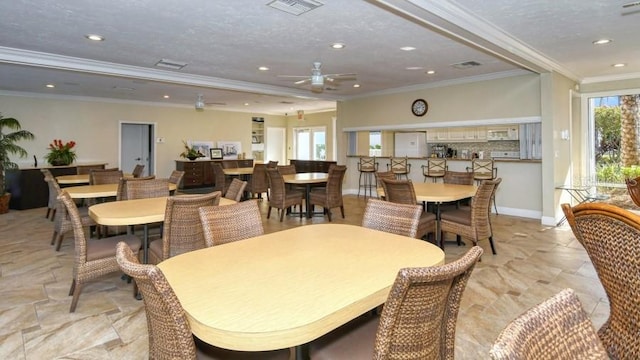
pixel 201 146
pixel 215 153
pixel 230 149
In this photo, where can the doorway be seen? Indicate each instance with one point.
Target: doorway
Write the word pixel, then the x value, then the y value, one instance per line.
pixel 310 143
pixel 276 145
pixel 137 147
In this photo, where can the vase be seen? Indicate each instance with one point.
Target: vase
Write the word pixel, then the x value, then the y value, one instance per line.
pixel 59 163
pixel 192 157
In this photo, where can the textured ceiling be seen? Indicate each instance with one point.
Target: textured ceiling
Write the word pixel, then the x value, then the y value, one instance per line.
pixel 223 43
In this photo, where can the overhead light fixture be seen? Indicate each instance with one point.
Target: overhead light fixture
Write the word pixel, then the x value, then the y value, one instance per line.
pixel 246 104
pixel 263 68
pixel 166 96
pixel 94 37
pixel 618 65
pixel 50 86
pixel 430 72
pixel 407 48
pixel 602 42
pixel 338 46
pixel 356 85
pixel 414 68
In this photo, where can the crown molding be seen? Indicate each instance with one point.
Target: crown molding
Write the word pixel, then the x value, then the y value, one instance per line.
pixel 456 22
pixel 607 78
pixel 61 62
pixel 449 124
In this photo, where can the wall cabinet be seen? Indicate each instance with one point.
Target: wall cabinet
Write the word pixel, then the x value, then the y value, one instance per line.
pixel 457 134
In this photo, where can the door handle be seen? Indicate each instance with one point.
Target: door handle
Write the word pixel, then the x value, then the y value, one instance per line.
pixel 137 159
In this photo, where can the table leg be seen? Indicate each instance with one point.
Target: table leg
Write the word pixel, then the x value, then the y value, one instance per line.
pixel 145 246
pixel 302 352
pixel 307 190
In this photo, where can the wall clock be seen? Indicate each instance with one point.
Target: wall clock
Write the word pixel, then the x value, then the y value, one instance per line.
pixel 419 107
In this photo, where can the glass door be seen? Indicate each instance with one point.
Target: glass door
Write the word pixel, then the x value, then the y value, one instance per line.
pixel 310 143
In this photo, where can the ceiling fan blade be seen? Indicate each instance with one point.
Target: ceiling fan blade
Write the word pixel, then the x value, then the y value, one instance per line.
pixel 215 103
pixel 293 76
pixel 635 3
pixel 303 82
pixel 336 78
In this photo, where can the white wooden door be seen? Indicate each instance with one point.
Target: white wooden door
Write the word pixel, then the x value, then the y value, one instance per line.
pixel 136 147
pixel 276 145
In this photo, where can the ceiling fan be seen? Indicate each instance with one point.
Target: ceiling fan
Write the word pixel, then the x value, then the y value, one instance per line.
pixel 317 79
pixel 200 104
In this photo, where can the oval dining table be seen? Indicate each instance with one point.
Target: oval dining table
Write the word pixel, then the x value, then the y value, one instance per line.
pixel 287 288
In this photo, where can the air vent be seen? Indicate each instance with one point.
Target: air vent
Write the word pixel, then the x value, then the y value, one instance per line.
pixel 287 102
pixel 295 7
pixel 171 64
pixel 466 64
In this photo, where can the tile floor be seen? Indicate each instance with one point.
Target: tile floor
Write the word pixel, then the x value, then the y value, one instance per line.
pixel 533 263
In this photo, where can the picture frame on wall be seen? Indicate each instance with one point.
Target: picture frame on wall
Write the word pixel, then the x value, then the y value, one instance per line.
pixel 201 147
pixel 215 153
pixel 230 149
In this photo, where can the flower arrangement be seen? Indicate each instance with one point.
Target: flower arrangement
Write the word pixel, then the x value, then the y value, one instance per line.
pixel 61 153
pixel 190 152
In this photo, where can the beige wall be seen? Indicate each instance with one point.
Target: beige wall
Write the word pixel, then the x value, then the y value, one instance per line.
pixel 94 125
pixel 312 120
pixel 511 97
pixel 617 85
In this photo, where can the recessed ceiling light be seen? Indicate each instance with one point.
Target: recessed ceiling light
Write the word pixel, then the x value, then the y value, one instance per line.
pixel 619 65
pixel 407 48
pixel 94 37
pixel 338 46
pixel 602 41
pixel 431 72
pixel 356 85
pixel 263 68
pixel 414 68
pixel 51 86
pixel 246 104
pixel 166 96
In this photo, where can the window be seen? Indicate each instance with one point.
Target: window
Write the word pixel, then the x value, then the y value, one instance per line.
pixel 375 143
pixel 310 143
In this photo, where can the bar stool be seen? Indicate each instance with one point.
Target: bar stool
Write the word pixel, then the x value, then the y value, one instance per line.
pixel 367 168
pixel 400 167
pixel 435 168
pixel 484 169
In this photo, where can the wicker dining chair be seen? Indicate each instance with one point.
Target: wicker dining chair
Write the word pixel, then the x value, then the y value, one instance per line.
pixel 220 179
pixel 62 222
pixel 475 224
pixel 418 320
pixel 259 182
pixel 286 169
pixel 235 190
pixel 93 257
pixel 169 332
pixel 633 188
pixel 137 171
pixel 402 192
pixel 176 178
pixel 182 230
pixel 121 193
pixel 272 164
pixel 53 194
pixel 147 189
pixel 223 224
pixel 281 197
pixel 104 176
pixel 330 196
pixel 400 219
pixel 611 237
pixel 458 177
pixel 557 329
pixel 383 175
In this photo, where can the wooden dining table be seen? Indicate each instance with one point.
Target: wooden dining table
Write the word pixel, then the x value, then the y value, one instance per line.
pixel 244 171
pixel 77 179
pixel 308 180
pixel 286 289
pixel 98 191
pixel 135 212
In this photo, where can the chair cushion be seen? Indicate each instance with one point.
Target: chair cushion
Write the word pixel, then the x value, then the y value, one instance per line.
pixel 459 216
pixel 155 251
pixel 106 247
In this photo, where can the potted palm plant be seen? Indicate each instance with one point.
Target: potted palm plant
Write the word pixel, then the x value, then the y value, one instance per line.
pixel 8 147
